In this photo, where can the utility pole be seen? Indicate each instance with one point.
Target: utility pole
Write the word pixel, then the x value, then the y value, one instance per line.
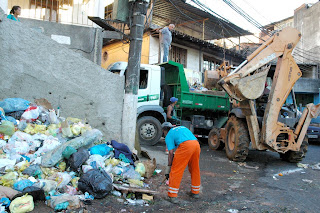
pixel 129 115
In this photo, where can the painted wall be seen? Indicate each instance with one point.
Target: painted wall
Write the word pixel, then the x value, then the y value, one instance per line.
pixel 84 40
pixel 32 65
pixel 119 51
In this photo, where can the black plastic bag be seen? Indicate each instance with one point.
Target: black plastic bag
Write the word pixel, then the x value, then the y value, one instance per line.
pixel 35 192
pixel 78 158
pixel 96 182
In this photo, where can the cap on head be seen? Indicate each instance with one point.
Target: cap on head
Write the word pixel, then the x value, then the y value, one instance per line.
pixel 173 99
pixel 167 124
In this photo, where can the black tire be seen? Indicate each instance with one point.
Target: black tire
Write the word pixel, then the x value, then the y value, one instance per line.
pixel 296 156
pixel 214 141
pixel 149 130
pixel 237 140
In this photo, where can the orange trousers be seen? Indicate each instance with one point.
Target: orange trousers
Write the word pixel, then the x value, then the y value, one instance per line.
pixel 187 154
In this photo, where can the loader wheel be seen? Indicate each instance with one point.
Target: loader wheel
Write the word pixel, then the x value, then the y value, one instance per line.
pixel 296 156
pixel 213 139
pixel 149 130
pixel 237 140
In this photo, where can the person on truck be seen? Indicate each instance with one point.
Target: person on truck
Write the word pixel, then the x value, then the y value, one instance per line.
pixel 171 111
pixel 187 154
pixel 165 40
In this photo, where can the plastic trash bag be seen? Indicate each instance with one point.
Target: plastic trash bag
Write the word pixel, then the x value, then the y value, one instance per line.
pixel 7 128
pixel 53 119
pixel 33 170
pixel 46 185
pixel 12 119
pixel 96 161
pixel 53 157
pixel 14 104
pixel 77 159
pixel 8 179
pixel 66 130
pixel 96 182
pixel 7 162
pixel 62 179
pixel 70 201
pixel 35 192
pixel 76 129
pixel 22 184
pixel 141 169
pixel 16 115
pixel 86 168
pixel 101 149
pixel 5 202
pixel 7 192
pixel 22 204
pixel 74 182
pixel 131 174
pixel 31 114
pixel 68 152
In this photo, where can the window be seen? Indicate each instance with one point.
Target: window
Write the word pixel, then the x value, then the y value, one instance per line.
pixel 178 55
pixel 143 83
pixel 210 63
pixel 304 99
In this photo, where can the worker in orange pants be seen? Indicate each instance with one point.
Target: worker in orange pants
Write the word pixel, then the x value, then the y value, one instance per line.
pixel 187 154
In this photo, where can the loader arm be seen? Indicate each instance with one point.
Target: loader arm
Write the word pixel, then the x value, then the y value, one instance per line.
pixel 247 83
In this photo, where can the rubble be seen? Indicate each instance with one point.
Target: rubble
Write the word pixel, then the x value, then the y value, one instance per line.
pixel 63 161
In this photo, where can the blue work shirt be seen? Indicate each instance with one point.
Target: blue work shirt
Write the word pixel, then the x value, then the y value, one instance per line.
pixel 178 135
pixel 166 36
pixel 10 16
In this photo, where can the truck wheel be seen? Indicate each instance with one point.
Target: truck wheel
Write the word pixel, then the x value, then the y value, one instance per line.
pixel 149 130
pixel 213 139
pixel 296 156
pixel 237 140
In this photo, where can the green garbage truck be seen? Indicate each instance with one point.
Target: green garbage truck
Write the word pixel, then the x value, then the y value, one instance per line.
pixel 200 111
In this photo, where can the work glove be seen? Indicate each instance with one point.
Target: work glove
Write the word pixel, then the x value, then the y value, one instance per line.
pixel 167 172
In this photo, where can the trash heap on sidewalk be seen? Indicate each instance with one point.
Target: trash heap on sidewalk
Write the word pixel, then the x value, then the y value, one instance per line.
pixel 62 161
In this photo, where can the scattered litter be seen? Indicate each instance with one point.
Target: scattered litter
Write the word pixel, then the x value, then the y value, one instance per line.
pixel 287 172
pixel 233 210
pixel 244 164
pixel 301 165
pixel 316 166
pixel 147 197
pixel 306 180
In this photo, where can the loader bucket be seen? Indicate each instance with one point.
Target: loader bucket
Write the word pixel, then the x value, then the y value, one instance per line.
pixel 252 87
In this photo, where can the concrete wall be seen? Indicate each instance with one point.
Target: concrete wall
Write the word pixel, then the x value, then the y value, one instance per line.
pixel 86 41
pixel 307 85
pixel 34 66
pixel 307 21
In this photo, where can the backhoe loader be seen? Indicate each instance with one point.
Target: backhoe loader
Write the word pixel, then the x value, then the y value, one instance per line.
pixel 261 116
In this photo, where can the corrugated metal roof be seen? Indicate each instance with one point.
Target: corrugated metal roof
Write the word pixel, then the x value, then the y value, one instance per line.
pixel 178 12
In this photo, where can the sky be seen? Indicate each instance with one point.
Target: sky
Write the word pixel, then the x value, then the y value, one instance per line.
pixel 263 11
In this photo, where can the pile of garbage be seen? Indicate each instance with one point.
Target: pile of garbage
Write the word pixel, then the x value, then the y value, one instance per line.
pixel 62 161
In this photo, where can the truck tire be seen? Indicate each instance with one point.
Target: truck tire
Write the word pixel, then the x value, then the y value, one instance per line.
pixel 149 130
pixel 214 141
pixel 237 140
pixel 296 156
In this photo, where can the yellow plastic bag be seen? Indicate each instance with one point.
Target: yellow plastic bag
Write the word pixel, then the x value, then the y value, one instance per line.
pixel 7 128
pixel 73 120
pixel 134 183
pixel 8 179
pixel 74 182
pixel 141 169
pixel 22 165
pixel 40 129
pixel 52 130
pixel 114 162
pixel 62 166
pixel 76 129
pixel 22 204
pixel 29 129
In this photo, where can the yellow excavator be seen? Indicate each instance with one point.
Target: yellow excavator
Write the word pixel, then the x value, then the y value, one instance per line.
pixel 262 116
